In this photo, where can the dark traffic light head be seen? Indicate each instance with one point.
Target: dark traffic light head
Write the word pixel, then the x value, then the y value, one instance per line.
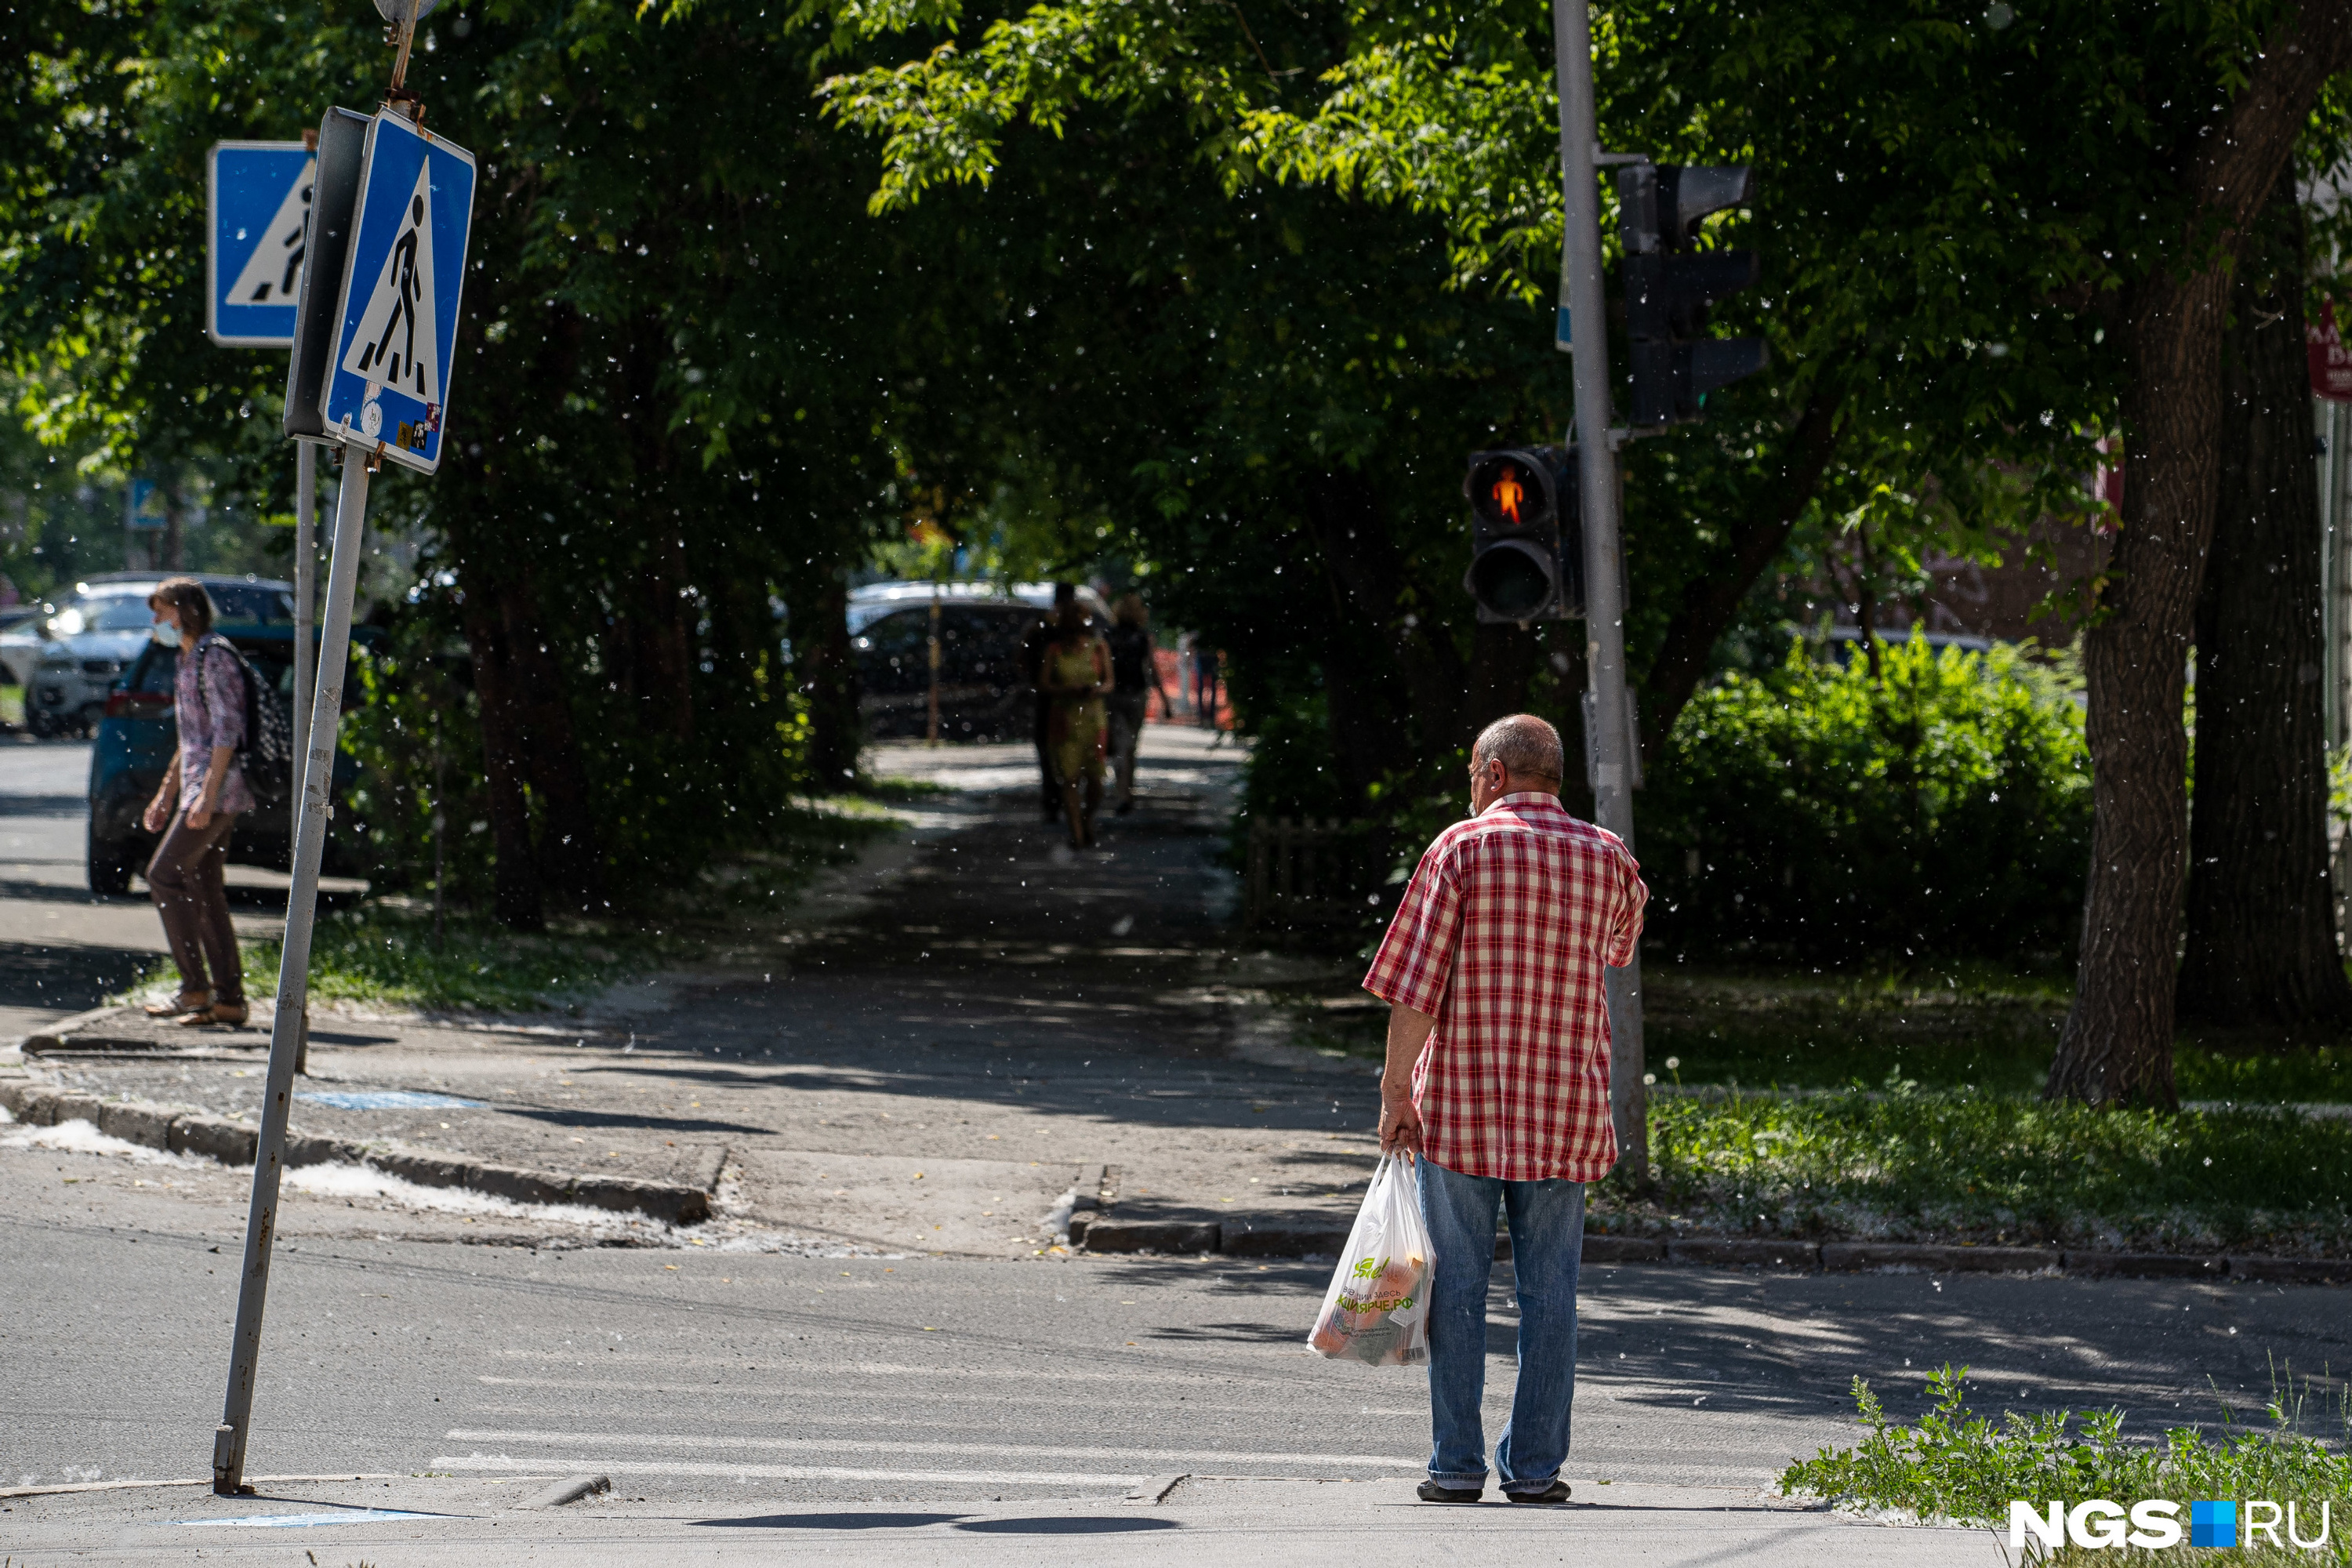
pixel 1669 288
pixel 1525 565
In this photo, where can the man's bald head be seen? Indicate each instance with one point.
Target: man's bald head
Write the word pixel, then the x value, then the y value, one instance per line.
pixel 1525 746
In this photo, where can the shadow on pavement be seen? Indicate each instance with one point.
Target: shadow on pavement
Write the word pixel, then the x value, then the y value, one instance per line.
pixel 832 1522
pixel 1095 1524
pixel 609 1120
pixel 65 976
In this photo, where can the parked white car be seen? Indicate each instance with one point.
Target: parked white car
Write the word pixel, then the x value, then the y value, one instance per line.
pixel 20 642
pixel 92 638
pixel 96 633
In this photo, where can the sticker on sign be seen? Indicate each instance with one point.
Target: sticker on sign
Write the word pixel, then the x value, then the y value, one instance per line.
pixel 396 318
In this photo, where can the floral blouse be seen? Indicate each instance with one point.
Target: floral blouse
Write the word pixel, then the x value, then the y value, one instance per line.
pixel 211 712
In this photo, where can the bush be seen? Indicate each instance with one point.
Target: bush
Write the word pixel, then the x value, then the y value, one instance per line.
pixel 1955 1464
pixel 1943 805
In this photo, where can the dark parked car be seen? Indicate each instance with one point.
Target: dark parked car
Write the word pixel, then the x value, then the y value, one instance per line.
pixel 984 694
pixel 135 741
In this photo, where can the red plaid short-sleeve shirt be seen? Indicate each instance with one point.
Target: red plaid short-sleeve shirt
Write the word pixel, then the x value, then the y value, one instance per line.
pixel 1501 938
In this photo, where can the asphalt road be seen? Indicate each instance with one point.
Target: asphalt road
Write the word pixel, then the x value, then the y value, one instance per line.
pixel 927 1392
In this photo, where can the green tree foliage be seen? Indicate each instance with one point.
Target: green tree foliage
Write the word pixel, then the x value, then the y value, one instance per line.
pixel 670 396
pixel 1942 806
pixel 1912 246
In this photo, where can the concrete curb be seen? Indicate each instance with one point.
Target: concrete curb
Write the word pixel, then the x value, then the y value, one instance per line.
pixel 1261 1238
pixel 183 1131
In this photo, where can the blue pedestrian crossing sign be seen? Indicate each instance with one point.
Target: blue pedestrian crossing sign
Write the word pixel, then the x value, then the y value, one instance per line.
pixel 387 382
pixel 258 196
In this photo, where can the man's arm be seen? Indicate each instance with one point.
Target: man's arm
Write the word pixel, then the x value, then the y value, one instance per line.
pixel 1400 1122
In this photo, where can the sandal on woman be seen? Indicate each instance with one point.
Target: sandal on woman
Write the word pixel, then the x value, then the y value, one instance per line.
pixel 231 1012
pixel 185 1002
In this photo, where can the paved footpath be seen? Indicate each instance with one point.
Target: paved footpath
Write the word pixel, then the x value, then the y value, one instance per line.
pixel 873 1349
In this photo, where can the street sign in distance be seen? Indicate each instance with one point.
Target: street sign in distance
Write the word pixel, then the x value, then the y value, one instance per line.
pixel 343 147
pixel 387 375
pixel 144 511
pixel 258 200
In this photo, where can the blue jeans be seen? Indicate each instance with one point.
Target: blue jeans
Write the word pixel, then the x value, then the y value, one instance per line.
pixel 1546 1221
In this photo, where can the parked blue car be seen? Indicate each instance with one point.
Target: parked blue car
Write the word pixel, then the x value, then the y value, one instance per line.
pixel 138 735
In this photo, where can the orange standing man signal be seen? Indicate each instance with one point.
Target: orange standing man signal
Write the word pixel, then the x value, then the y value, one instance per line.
pixel 1510 492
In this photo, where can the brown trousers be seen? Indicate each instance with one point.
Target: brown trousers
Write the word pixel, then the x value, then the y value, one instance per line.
pixel 186 879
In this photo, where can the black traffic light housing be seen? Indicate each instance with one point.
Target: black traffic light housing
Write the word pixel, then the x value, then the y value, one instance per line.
pixel 1668 288
pixel 1527 537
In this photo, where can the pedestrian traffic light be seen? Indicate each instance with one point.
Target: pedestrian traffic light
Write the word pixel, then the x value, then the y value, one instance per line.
pixel 1668 288
pixel 1527 543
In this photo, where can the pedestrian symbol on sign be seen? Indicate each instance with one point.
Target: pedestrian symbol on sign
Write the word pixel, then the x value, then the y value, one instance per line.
pixel 387 374
pixel 394 343
pixel 269 274
pixel 258 198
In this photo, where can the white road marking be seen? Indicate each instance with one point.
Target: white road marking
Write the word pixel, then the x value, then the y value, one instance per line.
pixel 993 1397
pixel 500 1462
pixel 594 1355
pixel 982 1450
pixel 305 1520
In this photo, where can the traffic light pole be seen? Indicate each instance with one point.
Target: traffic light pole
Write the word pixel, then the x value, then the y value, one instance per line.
pixel 1584 333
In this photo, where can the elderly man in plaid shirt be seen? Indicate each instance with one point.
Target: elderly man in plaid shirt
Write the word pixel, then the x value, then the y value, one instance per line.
pixel 1497 1079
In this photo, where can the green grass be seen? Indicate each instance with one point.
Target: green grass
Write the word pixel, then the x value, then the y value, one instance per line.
pixel 1909 1163
pixel 386 957
pixel 1943 1026
pixel 12 705
pixel 1955 1465
pixel 903 789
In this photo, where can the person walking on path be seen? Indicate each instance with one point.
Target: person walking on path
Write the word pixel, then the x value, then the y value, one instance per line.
pixel 1075 670
pixel 1134 681
pixel 1497 1082
pixel 196 807
pixel 1033 665
pixel 1205 670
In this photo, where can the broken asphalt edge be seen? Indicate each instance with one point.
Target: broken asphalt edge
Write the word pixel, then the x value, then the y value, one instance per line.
pixel 184 1131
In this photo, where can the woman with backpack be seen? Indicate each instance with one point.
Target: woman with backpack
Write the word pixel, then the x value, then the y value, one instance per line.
pixel 196 807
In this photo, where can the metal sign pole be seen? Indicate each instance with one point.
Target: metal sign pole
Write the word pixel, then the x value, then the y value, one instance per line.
pixel 293 978
pixel 1604 615
pixel 306 648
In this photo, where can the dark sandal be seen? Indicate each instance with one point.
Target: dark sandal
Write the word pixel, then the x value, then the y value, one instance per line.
pixel 185 1002
pixel 1555 1493
pixel 230 1013
pixel 1430 1491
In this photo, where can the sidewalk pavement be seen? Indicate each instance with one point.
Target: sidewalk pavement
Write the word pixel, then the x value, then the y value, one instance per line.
pixel 1252 1521
pixel 948 1050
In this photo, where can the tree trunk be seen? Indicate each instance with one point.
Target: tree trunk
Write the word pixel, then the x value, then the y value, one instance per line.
pixel 515 898
pixel 2116 1046
pixel 828 679
pixel 568 859
pixel 1503 659
pixel 1710 604
pixel 1368 573
pixel 2262 921
pixel 664 641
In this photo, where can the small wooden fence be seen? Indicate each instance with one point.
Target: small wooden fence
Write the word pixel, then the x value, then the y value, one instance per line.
pixel 1314 874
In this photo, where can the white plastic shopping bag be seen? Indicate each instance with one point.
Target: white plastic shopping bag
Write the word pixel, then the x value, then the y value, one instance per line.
pixel 1377 1310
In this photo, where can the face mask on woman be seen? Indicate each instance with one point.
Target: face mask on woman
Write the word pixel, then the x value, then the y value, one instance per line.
pixel 166 634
